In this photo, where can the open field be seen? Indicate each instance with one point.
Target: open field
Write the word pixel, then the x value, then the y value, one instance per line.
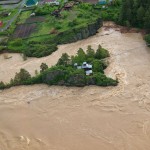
pixel 23 31
pixel 23 16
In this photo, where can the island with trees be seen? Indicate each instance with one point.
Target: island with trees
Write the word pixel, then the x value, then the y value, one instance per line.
pixel 70 71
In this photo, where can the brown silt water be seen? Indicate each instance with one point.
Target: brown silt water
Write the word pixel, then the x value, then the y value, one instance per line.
pixel 41 117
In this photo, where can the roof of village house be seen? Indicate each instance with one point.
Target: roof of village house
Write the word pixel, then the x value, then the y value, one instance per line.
pixel 104 1
pixel 84 65
pixel 31 3
pixel 91 1
pixel 50 0
pixel 88 72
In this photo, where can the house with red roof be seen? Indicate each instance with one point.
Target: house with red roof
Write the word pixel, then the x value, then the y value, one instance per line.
pixel 1 23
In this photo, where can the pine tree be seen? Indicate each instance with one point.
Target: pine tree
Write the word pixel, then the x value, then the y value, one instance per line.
pixel 135 13
pixel 22 76
pixel 147 19
pixel 90 52
pixel 140 15
pixel 64 60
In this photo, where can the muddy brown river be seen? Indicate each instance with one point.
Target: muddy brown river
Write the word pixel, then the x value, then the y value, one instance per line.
pixel 40 117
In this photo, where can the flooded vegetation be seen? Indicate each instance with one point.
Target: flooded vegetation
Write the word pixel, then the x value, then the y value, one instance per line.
pixel 63 118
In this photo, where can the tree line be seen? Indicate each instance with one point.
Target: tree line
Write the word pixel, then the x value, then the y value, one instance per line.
pixel 135 13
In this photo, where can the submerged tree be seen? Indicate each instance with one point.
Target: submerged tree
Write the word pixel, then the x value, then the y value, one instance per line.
pixel 43 67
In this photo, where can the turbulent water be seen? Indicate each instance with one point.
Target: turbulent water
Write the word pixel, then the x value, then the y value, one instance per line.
pixel 39 117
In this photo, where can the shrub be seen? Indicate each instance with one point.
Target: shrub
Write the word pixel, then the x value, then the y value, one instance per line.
pixel 16 42
pixel 58 26
pixel 101 53
pixel 39 50
pixel 147 39
pixel 43 67
pixel 2 85
pixel 73 23
pixel 102 80
pixel 97 66
pixel 22 76
pixel 54 75
pixel 80 15
pixel 45 9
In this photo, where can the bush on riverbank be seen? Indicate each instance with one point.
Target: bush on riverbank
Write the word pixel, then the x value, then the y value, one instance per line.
pixel 147 39
pixel 64 73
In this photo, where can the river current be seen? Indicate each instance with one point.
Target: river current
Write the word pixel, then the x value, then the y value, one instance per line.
pixel 41 117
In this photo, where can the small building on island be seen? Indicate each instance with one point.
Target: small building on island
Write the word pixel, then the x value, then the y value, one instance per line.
pixel 31 3
pixel 87 68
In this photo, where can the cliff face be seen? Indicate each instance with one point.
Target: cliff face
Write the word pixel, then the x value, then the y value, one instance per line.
pixel 80 33
pixel 90 30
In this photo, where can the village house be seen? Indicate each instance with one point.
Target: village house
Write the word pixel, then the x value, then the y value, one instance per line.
pixel 101 2
pixel 104 2
pixel 87 68
pixel 51 2
pixel 1 23
pixel 31 3
pixel 90 1
pixel 69 5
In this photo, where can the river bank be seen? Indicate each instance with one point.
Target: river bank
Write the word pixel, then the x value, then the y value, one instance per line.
pixel 61 118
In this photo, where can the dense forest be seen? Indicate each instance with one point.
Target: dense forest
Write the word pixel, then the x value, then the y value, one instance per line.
pixel 130 13
pixel 135 13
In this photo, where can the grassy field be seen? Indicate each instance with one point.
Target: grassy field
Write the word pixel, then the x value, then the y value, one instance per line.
pixel 23 16
pixel 44 38
pixel 77 16
pixel 12 11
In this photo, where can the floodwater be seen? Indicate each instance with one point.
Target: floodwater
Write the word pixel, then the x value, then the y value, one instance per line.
pixel 40 117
